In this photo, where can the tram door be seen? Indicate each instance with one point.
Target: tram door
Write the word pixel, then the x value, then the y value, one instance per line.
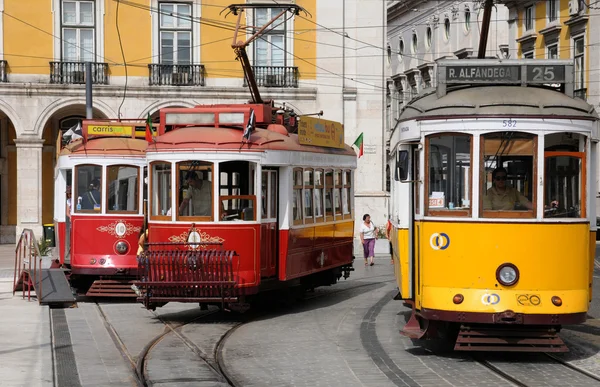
pixel 268 228
pixel 406 248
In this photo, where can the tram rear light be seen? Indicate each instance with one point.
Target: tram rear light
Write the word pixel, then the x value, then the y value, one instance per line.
pixel 556 301
pixel 458 299
pixel 102 261
pixel 93 261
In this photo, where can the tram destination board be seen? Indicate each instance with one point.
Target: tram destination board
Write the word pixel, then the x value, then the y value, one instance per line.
pixel 505 74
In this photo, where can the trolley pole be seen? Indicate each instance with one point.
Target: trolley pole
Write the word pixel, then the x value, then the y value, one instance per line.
pixel 88 91
pixel 485 28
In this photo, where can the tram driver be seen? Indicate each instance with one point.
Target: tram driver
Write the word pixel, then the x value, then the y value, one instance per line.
pixel 502 196
pixel 199 193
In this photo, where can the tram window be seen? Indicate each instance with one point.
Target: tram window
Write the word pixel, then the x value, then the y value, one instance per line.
pixel 449 175
pixel 564 187
pixel 337 193
pixel 417 178
pixel 308 196
pixel 347 198
pixel 264 193
pixel 318 195
pixel 328 195
pixel 297 197
pixel 122 188
pixel 508 167
pixel 160 184
pixel 237 199
pixel 273 195
pixel 194 196
pixel 88 185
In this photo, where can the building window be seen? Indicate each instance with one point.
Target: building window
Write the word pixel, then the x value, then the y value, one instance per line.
pixel 78 30
pixel 415 43
pixel 447 28
pixel 429 33
pixel 528 55
pixel 467 20
pixel 579 55
pixel 552 10
pixel 553 51
pixel 271 48
pixel 401 47
pixel 175 33
pixel 389 53
pixel 528 18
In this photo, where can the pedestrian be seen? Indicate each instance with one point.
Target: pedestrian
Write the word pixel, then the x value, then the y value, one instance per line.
pixel 368 233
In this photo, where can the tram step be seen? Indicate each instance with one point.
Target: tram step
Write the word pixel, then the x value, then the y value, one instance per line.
pixel 509 340
pixel 111 288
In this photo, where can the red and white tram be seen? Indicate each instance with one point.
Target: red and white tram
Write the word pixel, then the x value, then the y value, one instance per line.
pixel 230 217
pixel 99 206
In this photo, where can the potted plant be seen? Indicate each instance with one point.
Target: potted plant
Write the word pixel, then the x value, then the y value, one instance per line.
pixel 45 253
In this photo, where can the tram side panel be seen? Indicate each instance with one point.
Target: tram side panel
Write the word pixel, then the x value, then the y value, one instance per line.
pixel 462 258
pixel 94 244
pixel 311 249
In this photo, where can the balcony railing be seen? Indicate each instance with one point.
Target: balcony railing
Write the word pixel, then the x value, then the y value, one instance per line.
pixel 74 73
pixel 580 93
pixel 3 66
pixel 275 76
pixel 176 75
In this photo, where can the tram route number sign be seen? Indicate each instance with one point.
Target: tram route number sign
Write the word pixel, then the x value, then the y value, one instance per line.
pixel 320 132
pixel 510 74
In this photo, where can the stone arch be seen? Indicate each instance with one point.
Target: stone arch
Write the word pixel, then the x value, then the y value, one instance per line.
pixel 152 108
pixel 49 111
pixel 11 113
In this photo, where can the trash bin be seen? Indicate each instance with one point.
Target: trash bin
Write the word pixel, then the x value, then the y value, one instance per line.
pixel 49 235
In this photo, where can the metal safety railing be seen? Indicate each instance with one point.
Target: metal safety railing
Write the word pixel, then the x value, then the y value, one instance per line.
pixel 275 76
pixel 28 265
pixel 176 75
pixel 74 73
pixel 169 273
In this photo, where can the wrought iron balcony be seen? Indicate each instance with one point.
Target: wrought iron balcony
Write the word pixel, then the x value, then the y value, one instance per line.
pixel 74 73
pixel 580 93
pixel 176 75
pixel 275 76
pixel 3 66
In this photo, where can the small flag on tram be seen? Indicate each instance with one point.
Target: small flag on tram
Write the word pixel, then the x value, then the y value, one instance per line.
pixel 250 126
pixel 359 144
pixel 149 129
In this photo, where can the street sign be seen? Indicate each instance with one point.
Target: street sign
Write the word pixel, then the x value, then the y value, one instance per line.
pixel 320 132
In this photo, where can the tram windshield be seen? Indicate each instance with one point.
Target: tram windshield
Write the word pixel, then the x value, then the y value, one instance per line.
pixel 123 188
pixel 507 173
pixel 88 185
pixel 237 197
pixel 160 183
pixel 194 198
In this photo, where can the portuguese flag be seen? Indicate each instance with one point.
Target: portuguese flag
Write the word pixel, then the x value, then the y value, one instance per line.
pixel 149 129
pixel 359 145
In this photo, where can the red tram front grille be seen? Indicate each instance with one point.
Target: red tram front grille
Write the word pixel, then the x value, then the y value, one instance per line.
pixel 186 276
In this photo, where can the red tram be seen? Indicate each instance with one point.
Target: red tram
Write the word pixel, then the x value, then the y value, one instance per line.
pixel 233 213
pixel 99 206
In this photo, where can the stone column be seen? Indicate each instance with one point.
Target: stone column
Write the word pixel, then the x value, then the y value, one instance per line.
pixel 29 185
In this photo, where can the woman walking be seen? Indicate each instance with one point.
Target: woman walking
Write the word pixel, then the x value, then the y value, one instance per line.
pixel 368 233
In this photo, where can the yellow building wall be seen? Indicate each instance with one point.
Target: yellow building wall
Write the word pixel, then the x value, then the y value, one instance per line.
pixel 136 36
pixel 216 53
pixel 24 57
pixel 307 46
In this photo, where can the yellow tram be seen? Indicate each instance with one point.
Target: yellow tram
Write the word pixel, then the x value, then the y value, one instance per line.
pixel 493 205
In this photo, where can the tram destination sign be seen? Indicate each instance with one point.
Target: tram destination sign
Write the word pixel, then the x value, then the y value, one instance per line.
pixel 320 132
pixel 507 74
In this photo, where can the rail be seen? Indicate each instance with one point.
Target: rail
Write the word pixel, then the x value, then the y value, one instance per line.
pixel 74 73
pixel 28 260
pixel 176 75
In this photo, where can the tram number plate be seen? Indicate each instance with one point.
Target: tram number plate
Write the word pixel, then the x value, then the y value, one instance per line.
pixel 529 299
pixel 509 123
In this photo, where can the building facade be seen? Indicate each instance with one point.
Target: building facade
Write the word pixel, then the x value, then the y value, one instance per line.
pixel 150 54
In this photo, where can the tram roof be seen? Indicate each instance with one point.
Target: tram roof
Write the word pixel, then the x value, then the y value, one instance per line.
pixel 209 138
pixel 109 146
pixel 497 101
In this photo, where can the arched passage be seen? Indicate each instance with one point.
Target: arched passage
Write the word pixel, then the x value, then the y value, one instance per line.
pixel 8 180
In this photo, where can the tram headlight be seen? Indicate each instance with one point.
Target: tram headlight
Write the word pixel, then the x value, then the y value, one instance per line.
pixel 507 274
pixel 121 247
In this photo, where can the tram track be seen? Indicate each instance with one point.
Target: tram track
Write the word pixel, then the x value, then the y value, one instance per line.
pixel 521 380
